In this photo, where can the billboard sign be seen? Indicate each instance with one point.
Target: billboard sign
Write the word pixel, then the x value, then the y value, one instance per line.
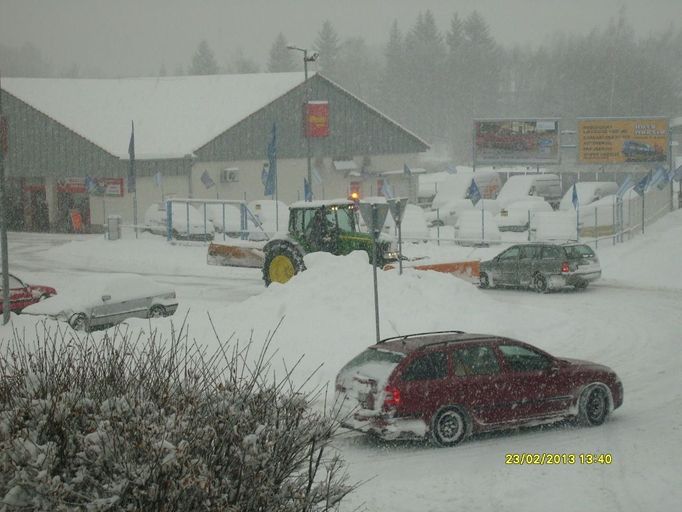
pixel 516 141
pixel 619 140
pixel 317 119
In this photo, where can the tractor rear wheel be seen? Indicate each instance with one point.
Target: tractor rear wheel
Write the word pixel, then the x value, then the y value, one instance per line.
pixel 282 262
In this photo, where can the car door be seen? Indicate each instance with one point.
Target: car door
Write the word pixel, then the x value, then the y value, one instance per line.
pixel 536 387
pixel 550 260
pixel 479 385
pixel 422 383
pixel 507 265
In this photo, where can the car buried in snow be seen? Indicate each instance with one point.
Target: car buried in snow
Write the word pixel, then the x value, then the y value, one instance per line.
pixel 22 295
pixel 102 301
pixel 445 386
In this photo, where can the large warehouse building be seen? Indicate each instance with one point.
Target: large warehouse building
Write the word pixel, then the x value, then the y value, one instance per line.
pixel 194 136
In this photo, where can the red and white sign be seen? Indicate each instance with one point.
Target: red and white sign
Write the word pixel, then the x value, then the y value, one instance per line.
pixel 317 119
pixel 71 185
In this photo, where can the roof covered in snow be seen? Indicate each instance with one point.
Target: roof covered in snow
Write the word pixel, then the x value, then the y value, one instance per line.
pixel 173 116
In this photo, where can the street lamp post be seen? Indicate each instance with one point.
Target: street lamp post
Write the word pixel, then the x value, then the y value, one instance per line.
pixel 312 58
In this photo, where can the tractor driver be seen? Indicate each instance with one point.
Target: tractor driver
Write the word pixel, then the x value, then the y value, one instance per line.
pixel 323 233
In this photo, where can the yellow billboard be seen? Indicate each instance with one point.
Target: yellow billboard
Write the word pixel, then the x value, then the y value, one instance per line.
pixel 613 141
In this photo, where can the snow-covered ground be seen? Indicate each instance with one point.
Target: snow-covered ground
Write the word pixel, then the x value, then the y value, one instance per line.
pixel 629 320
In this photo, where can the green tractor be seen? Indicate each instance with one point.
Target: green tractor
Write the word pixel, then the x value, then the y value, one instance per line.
pixel 328 226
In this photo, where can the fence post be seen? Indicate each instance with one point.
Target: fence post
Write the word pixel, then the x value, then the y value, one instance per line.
pixel 596 227
pixel 224 223
pixel 438 226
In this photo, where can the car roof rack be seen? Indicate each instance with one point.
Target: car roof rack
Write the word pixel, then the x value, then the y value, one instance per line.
pixel 414 335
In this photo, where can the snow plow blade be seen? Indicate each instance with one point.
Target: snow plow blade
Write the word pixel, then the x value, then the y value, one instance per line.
pixel 235 255
pixel 467 270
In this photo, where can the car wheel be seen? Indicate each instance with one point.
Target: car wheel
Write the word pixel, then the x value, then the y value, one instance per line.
pixel 156 311
pixel 483 280
pixel 540 283
pixel 593 406
pixel 43 297
pixel 581 285
pixel 79 322
pixel 449 426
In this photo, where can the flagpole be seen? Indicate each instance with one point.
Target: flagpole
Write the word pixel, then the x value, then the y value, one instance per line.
pixel 4 132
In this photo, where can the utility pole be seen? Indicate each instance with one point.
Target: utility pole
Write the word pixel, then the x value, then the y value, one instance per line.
pixel 312 58
pixel 4 148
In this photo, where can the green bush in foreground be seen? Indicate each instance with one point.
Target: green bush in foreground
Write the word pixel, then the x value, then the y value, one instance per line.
pixel 137 422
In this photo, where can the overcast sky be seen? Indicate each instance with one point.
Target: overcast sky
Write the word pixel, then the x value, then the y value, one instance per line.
pixel 135 37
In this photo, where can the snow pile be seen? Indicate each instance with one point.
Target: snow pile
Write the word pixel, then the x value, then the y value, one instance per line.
pixel 327 312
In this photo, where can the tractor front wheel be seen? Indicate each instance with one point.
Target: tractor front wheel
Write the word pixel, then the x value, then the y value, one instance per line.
pixel 282 262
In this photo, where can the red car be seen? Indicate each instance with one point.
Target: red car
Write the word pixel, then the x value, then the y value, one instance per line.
pixel 22 295
pixel 448 385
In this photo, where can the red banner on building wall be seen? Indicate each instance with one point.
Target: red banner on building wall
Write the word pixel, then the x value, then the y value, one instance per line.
pixel 317 119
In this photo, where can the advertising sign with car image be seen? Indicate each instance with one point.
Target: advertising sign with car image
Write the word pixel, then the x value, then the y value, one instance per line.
pixel 516 141
pixel 609 141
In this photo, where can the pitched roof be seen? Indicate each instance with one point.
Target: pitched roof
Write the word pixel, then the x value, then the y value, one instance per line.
pixel 173 115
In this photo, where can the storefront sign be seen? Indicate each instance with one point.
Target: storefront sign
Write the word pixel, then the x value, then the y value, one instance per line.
pixel 516 141
pixel 317 119
pixel 94 186
pixel 607 141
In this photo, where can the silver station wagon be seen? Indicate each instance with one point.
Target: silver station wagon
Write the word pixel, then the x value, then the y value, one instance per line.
pixel 542 266
pixel 95 302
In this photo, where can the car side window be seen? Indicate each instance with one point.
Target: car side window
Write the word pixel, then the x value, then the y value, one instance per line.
pixel 475 361
pixel 550 253
pixel 522 359
pixel 430 366
pixel 510 254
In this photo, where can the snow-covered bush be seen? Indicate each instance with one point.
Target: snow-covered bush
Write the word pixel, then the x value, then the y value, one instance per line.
pixel 137 422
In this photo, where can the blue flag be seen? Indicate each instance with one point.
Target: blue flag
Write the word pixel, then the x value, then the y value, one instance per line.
pixel 307 192
pixel 387 190
pixel 659 178
pixel 473 193
pixel 575 199
pixel 90 185
pixel 642 184
pixel 677 174
pixel 407 170
pixel 131 154
pixel 624 186
pixel 271 181
pixel 452 169
pixel 207 180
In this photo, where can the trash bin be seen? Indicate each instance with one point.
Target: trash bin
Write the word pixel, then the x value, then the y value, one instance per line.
pixel 113 227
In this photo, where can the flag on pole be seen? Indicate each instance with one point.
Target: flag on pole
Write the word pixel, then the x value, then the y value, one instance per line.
pixel 316 176
pixel 473 192
pixel 271 181
pixel 207 180
pixel 624 186
pixel 574 198
pixel 407 170
pixel 642 184
pixel 307 191
pixel 158 179
pixel 90 184
pixel 131 155
pixel 659 178
pixel 677 174
pixel 387 190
